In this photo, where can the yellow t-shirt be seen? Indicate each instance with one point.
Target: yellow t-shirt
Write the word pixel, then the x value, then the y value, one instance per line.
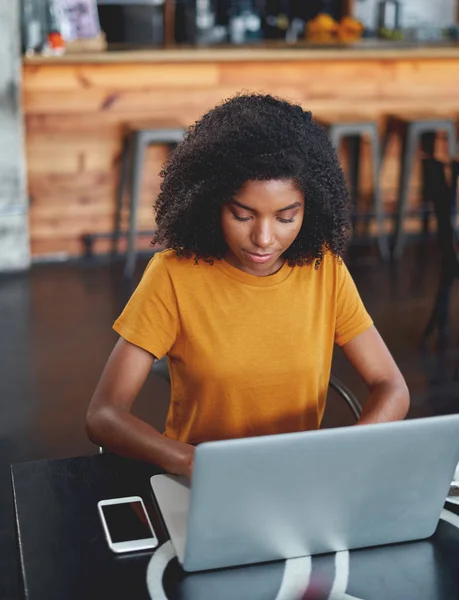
pixel 247 355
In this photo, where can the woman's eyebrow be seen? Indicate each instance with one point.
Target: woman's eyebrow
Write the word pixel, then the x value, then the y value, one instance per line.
pixel 243 206
pixel 285 209
pixel 290 207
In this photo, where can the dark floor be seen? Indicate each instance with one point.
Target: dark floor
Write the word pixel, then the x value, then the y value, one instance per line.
pixel 55 324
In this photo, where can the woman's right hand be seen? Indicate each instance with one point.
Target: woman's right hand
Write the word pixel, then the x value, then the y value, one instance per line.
pixel 182 458
pixel 111 424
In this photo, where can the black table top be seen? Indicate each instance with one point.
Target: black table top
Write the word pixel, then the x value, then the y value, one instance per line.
pixel 64 554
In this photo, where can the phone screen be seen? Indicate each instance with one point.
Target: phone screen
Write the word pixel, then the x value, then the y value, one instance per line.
pixel 126 522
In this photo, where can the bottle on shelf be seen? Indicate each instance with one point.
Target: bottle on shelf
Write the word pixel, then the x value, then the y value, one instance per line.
pixel 277 19
pixel 244 22
pixel 54 40
pixel 33 27
pixel 205 21
pixel 389 19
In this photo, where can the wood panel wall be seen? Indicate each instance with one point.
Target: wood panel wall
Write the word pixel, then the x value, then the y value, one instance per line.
pixel 75 115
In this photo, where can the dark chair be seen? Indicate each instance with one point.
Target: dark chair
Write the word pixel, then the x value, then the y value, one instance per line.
pixel 353 129
pixel 346 395
pixel 137 139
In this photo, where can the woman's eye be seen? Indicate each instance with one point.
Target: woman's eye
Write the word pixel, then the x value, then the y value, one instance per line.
pixel 238 218
pixel 280 219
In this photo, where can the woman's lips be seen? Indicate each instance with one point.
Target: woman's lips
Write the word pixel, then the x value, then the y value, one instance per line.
pixel 258 258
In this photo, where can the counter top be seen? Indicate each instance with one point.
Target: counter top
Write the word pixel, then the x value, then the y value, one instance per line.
pixel 365 50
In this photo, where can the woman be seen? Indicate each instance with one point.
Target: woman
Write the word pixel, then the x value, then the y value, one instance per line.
pixel 251 295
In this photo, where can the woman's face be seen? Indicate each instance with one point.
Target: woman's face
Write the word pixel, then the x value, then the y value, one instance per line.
pixel 260 223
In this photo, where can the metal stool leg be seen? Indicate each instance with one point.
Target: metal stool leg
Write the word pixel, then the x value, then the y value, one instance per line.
pixel 383 244
pixel 335 137
pixel 388 132
pixel 408 153
pixel 138 155
pixel 428 144
pixel 452 141
pixel 124 169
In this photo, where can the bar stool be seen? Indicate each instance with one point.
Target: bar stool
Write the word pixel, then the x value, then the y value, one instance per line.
pixel 137 139
pixel 415 130
pixel 353 129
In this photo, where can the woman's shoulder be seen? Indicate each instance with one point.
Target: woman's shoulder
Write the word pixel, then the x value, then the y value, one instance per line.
pixel 166 271
pixel 327 273
pixel 331 261
pixel 328 265
pixel 165 258
pixel 168 261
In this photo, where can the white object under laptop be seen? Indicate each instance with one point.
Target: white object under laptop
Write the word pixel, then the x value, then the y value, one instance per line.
pixel 277 497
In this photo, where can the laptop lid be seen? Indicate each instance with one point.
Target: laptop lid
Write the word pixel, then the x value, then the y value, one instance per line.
pixel 277 497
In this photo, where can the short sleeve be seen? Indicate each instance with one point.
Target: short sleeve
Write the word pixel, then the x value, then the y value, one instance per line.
pixel 352 318
pixel 150 319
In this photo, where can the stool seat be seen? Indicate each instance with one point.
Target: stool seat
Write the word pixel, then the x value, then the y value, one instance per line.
pixel 151 124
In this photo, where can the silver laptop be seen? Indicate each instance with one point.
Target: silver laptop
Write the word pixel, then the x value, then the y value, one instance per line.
pixel 283 496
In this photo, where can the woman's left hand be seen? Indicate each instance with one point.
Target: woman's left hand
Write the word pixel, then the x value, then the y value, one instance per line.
pixel 389 398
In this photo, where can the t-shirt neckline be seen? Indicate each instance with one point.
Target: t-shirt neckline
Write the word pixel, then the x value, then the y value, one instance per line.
pixel 255 280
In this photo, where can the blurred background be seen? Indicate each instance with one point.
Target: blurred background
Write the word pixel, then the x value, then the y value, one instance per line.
pixel 93 96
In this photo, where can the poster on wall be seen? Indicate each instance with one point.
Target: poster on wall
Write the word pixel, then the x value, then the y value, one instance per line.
pixel 79 19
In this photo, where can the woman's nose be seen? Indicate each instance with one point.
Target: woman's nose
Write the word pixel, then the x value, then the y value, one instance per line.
pixel 262 235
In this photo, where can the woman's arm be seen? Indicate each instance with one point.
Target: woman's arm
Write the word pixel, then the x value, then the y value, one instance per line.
pixel 389 398
pixel 110 424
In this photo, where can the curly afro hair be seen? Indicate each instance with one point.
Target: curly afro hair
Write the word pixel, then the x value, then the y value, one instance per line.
pixel 251 137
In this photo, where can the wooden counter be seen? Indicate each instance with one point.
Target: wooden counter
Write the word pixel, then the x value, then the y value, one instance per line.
pixel 76 108
pixel 364 50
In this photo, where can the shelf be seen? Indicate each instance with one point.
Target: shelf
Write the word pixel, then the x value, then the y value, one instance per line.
pixel 281 53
